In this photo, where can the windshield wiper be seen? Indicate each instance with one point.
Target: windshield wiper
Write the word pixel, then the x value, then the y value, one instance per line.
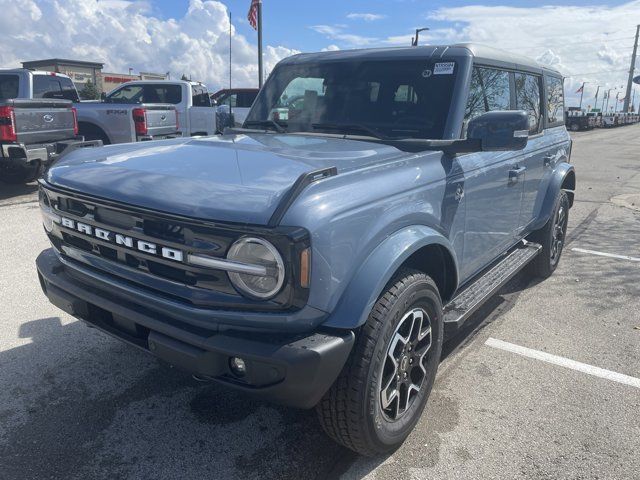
pixel 350 127
pixel 266 123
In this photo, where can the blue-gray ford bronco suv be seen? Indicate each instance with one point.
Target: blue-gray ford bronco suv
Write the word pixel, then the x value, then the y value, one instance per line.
pixel 319 255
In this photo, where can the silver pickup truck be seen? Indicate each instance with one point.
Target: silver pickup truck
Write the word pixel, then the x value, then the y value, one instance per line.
pixel 33 133
pixel 123 123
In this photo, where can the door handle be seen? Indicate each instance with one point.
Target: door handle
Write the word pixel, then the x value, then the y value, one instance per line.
pixel 515 173
pixel 459 193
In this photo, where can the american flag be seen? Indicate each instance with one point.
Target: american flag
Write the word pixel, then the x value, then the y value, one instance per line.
pixel 252 16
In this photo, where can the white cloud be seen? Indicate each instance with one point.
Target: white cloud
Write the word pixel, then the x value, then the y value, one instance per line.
pixel 331 48
pixel 587 43
pixel 367 17
pixel 337 32
pixel 123 34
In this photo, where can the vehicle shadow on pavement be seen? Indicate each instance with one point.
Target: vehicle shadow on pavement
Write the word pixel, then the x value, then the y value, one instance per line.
pixel 75 403
pixel 8 191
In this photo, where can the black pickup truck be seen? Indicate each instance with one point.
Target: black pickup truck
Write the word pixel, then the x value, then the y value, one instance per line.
pixel 33 132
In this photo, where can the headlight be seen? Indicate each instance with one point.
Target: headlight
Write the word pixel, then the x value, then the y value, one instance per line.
pixel 259 252
pixel 48 217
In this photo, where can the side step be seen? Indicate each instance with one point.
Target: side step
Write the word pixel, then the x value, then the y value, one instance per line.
pixel 471 297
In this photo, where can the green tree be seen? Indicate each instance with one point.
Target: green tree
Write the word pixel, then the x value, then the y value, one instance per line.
pixel 89 92
pixel 184 77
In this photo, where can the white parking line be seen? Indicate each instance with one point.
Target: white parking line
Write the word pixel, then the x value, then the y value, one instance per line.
pixel 610 255
pixel 564 362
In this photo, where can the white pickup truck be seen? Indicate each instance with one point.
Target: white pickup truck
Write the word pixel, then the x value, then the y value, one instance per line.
pixel 190 99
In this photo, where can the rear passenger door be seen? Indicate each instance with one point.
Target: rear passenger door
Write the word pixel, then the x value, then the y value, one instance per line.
pixel 528 96
pixel 492 191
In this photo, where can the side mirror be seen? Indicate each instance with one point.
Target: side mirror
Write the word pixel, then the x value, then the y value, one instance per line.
pixel 103 96
pixel 214 102
pixel 500 130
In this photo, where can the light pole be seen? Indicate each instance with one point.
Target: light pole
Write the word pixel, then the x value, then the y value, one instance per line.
pixel 414 42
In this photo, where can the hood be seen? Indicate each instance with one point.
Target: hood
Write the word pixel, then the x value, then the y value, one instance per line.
pixel 232 178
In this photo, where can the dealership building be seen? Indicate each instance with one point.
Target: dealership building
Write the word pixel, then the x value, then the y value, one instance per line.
pixel 82 72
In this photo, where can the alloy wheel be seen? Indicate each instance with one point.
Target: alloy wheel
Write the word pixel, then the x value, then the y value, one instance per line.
pixel 404 367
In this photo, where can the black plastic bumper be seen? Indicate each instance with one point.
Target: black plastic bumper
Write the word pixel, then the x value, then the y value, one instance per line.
pixel 294 370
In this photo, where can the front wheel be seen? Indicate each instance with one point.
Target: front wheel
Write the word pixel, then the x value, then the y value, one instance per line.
pixel 379 396
pixel 552 237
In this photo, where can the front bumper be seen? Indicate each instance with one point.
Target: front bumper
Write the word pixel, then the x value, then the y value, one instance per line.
pixel 292 369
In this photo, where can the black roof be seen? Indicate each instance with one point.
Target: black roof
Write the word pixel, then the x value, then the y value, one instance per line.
pixel 482 54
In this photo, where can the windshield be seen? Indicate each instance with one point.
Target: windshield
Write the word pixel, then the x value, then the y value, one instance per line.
pixel 8 86
pixel 385 99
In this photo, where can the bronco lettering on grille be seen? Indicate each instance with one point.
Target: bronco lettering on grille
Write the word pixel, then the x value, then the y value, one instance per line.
pixel 126 241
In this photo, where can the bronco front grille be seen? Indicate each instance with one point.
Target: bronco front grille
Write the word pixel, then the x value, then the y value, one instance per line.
pixel 80 237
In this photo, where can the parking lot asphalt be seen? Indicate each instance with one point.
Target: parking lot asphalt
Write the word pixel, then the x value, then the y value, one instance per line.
pixel 510 400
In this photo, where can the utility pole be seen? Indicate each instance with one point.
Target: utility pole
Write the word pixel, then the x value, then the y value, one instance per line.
pixel 631 70
pixel 596 102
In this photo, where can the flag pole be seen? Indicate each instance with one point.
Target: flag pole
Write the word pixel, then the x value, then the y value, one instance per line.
pixel 229 49
pixel 260 70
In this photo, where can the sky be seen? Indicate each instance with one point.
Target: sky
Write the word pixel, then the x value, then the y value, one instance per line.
pixel 588 41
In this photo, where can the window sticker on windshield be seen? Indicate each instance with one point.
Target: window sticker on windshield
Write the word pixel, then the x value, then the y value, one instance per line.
pixel 444 68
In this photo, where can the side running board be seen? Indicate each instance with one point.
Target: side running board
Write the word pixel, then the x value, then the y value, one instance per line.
pixel 471 297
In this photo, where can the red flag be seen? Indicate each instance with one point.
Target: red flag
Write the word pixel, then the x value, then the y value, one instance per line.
pixel 580 89
pixel 252 16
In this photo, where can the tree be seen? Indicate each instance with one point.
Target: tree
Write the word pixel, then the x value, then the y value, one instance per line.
pixel 184 77
pixel 89 92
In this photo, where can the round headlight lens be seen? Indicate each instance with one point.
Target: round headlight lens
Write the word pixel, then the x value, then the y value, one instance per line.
pixel 256 251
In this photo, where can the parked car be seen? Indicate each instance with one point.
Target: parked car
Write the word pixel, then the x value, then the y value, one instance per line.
pixel 237 100
pixel 37 123
pixel 319 261
pixel 191 101
pixel 576 121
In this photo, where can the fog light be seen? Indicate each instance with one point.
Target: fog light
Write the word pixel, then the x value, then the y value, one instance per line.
pixel 238 367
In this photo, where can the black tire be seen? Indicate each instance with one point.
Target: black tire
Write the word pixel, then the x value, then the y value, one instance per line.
pixel 16 173
pixel 552 237
pixel 91 132
pixel 352 412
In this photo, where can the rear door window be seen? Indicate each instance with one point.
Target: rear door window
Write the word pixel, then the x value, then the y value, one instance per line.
pixel 52 86
pixel 200 96
pixel 528 89
pixel 246 99
pixel 9 86
pixel 555 101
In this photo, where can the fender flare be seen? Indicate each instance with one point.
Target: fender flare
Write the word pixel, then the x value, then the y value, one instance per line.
pixel 368 283
pixel 562 172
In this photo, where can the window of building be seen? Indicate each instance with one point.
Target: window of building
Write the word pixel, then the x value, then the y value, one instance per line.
pixel 528 99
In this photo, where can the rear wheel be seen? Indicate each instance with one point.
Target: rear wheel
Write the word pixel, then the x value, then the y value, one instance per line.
pixel 552 237
pixel 381 393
